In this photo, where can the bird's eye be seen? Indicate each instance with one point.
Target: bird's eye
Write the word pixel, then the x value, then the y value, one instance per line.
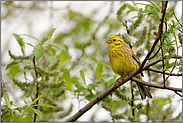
pixel 114 39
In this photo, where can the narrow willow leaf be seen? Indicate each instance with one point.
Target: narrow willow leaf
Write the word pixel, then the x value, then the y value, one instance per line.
pixel 45 105
pixel 47 57
pixel 11 64
pixel 66 77
pixel 82 75
pixel 7 99
pixel 38 51
pixel 51 49
pixel 48 36
pixel 20 42
pixel 39 113
pixel 30 36
pixel 60 46
pixel 40 96
pixel 99 70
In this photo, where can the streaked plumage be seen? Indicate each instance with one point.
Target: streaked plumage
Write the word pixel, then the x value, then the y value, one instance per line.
pixel 123 61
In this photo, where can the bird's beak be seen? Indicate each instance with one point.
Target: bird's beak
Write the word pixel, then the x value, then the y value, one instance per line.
pixel 108 41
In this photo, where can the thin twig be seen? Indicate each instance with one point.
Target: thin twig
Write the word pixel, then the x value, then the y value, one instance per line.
pixel 154 54
pixel 155 85
pixel 149 73
pixel 25 76
pixel 177 56
pixel 37 87
pixel 167 73
pixel 163 63
pixel 157 38
pixel 128 32
pixel 178 93
pixel 132 101
pixel 114 87
pixel 93 36
pixel 175 60
pixel 177 19
pixel 127 28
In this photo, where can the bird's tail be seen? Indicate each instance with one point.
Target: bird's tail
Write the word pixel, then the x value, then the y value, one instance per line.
pixel 144 91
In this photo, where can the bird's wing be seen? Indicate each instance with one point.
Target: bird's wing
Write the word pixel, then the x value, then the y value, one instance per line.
pixel 137 60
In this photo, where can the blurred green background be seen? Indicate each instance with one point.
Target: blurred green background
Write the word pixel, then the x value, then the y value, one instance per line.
pixel 82 69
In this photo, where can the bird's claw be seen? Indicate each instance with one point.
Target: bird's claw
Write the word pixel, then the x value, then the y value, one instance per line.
pixel 116 83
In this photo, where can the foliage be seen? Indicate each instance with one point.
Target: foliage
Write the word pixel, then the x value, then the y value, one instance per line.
pixel 76 61
pixel 21 116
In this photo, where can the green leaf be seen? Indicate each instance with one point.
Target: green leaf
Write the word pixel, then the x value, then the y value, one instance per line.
pixel 30 44
pixel 80 89
pixel 80 46
pixel 27 118
pixel 40 96
pixel 6 117
pixel 25 102
pixel 132 8
pixel 30 36
pixel 99 70
pixel 51 49
pixel 106 65
pixel 6 108
pixel 66 77
pixel 14 118
pixel 169 65
pixel 38 51
pixel 18 109
pixel 91 86
pixel 168 14
pixel 14 70
pixel 7 99
pixel 47 57
pixel 39 113
pixel 60 46
pixel 48 36
pixel 20 42
pixel 45 105
pixel 89 97
pixel 11 64
pixel 82 75
pixel 116 104
pixel 110 82
pixel 153 13
pixel 160 102
pixel 154 6
pixel 64 56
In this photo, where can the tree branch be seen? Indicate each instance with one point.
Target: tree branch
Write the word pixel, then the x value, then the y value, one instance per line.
pixel 175 59
pixel 177 56
pixel 178 93
pixel 154 54
pixel 155 85
pixel 114 87
pixel 125 79
pixel 177 19
pixel 37 87
pixel 160 31
pixel 159 71
pixel 96 100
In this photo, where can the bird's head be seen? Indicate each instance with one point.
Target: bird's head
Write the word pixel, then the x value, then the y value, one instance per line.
pixel 115 42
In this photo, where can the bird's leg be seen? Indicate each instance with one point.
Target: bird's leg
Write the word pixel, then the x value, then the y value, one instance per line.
pixel 129 73
pixel 116 83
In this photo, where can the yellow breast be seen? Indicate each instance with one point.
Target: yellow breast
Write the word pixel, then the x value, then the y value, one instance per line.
pixel 122 61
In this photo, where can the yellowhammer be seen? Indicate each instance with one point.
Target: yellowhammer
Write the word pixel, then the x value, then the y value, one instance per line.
pixel 124 61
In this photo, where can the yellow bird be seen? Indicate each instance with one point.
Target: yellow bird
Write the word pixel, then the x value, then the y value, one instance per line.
pixel 124 61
